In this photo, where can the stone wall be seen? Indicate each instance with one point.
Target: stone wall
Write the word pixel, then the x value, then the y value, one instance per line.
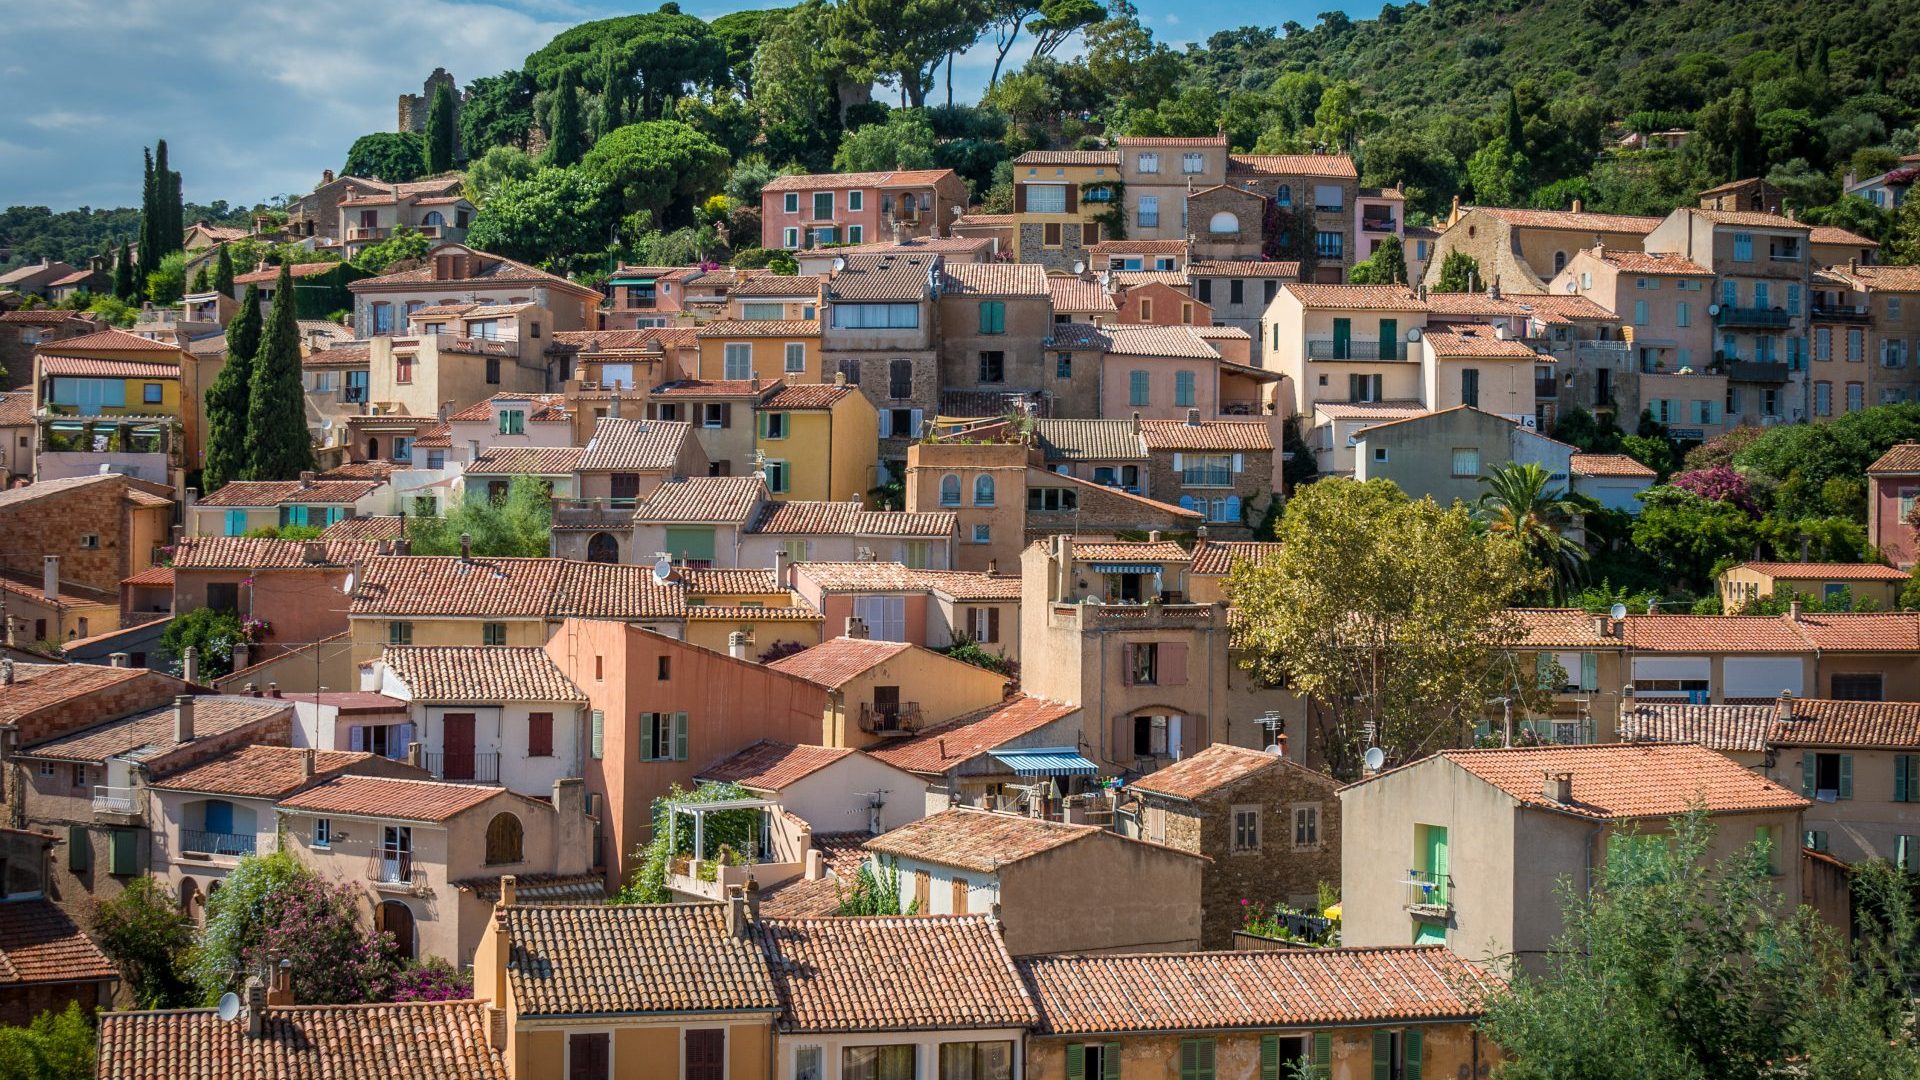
pixel 55 524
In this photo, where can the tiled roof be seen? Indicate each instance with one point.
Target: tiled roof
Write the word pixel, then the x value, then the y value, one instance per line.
pixel 977 840
pixel 933 973
pixel 860 576
pixel 1216 557
pixel 1834 234
pixel 634 959
pixel 1078 296
pixel 1571 221
pixel 645 339
pixel 272 273
pixel 371 527
pixel 1810 571
pixel 259 553
pixel 994 279
pixel 1356 297
pixel 824 181
pixel 426 586
pixel 726 328
pixel 527 460
pixel 339 356
pixel 837 661
pixel 1373 410
pixel 810 396
pixel 38 686
pixel 1726 728
pixel 1207 435
pixel 1291 988
pixel 789 286
pixel 41 316
pixel 387 797
pixel 749 615
pixel 428 1040
pixel 1612 465
pixel 1330 165
pixel 1878 631
pixel 584 888
pixel 1133 339
pixel 1712 633
pixel 152 576
pixel 541 408
pixel 894 276
pixel 1242 268
pixel 1483 346
pixel 1068 157
pixel 1559 628
pixel 16 408
pixel 727 499
pixel 985 220
pixel 494 269
pixel 712 388
pixel 970 585
pixel 111 340
pixel 151 732
pixel 620 444
pixel 1862 725
pixel 361 470
pixel 1614 781
pixel 1901 458
pixel 126 369
pixel 1201 774
pixel 814 518
pixel 276 492
pixel 1089 440
pixel 1140 247
pixel 945 245
pixel 771 766
pixel 479 673
pixel 1076 335
pixel 966 737
pixel 40 944
pixel 258 772
pixel 1750 218
pixel 1473 303
pixel 1562 310
pixel 1132 279
pixel 726 581
pixel 1654 264
pixel 15 496
pixel 1887 278
pixel 1124 551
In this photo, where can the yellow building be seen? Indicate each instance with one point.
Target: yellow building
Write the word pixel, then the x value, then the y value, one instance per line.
pixel 883 690
pixel 764 349
pixel 113 398
pixel 1058 198
pixel 1751 581
pixel 818 442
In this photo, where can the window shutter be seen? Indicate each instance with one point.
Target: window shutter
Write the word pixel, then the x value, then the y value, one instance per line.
pixel 1189 1059
pixel 726 414
pixel 1019 198
pixel 402 734
pixel 1233 508
pixel 1411 1040
pixel 1846 776
pixel 1269 1057
pixel 1808 762
pixel 649 735
pixel 1073 198
pixel 679 736
pixel 1205 1054
pixel 916 416
pixel 993 625
pixel 1173 663
pixel 1076 1061
pixel 1177 459
pixel 1543 670
pixel 886 423
pixel 1902 851
pixel 1382 1055
pixel 1900 777
pixel 598 738
pixel 79 848
pixel 1126 665
pixel 1239 462
pixel 1589 671
pixel 1323 1055
pixel 986 317
pixel 1110 1061
pixel 540 734
pixel 1187 502
pixel 356 738
pixel 126 852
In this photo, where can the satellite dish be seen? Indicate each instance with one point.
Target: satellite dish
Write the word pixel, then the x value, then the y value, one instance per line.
pixel 1415 334
pixel 1079 268
pixel 347 585
pixel 1276 750
pixel 229 1008
pixel 1570 288
pixel 1374 757
pixel 839 264
pixel 1619 611
pixel 662 568
pixel 1713 309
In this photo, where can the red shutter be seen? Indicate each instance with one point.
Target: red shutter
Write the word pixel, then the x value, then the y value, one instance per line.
pixel 1019 198
pixel 1173 663
pixel 540 735
pixel 993 624
pixel 1073 198
pixel 1126 665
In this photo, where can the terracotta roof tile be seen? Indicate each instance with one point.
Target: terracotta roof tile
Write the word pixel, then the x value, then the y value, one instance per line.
pixel 427 585
pixel 837 181
pixel 527 461
pixel 969 585
pixel 1376 410
pixel 943 746
pixel 542 408
pixel 1473 303
pixel 634 959
pixel 1123 551
pixel 85 366
pixel 1817 571
pixel 149 733
pixel 272 273
pixel 258 553
pixel 39 943
pixel 361 470
pixel 837 661
pixel 725 328
pixel 726 581
pixel 1484 346
pixel 278 492
pixel 768 765
pixel 1201 774
pixel 16 408
pixel 894 276
pixel 1877 631
pixel 339 356
pixel 785 286
pixel 1207 435
pixel 113 340
pixel 725 499
pixel 1330 165
pixel 1078 296
pixel 1174 279
pixel 803 897
pixel 42 316
pixel 1861 725
pixel 37 686
pixel 389 797
pixel 977 840
pixel 1217 557
pixel 933 973
pixel 1174 341
pixel 1653 264
pixel 712 388
pixel 1749 218
pixel 372 527
pixel 1834 234
pixel 1712 633
pixel 1726 728
pixel 810 396
pixel 859 576
pixel 493 270
pixel 585 888
pixel 1069 157
pixel 1583 221
pixel 1089 440
pixel 1901 458
pixel 1294 988
pixel 151 577
pixel 412 1041
pixel 260 772
pixel 1355 297
pixel 1563 310
pixel 620 444
pixel 1616 781
pixel 1559 628
pixel 1020 280
pixel 1243 268
pixel 479 673
pixel 1140 247
pixel 1886 278
pixel 816 518
pixel 1616 465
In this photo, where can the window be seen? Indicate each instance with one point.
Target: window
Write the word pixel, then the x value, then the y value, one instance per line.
pixel 1203 288
pixel 1147 163
pixel 790 237
pixel 1466 461
pixel 504 835
pixel 975 1060
pixel 1380 454
pixel 1329 245
pixel 1396 1054
pixel 983 534
pixel 399 633
pixel 1823 399
pixel 1283 195
pixel 1223 224
pixel 1149 211
pixel 1856 397
pixel 876 316
pixel 1094 1061
pixel 323 832
pixel 1815 839
pixel 236 523
pixel 1328 198
pixel 513 422
pixel 856 233
pixel 1063 365
pixel 1137 388
pixel 705 1052
pixel 1246 829
pixel 1143 664
pixel 763 310
pixel 1196 1059
pixel 993 317
pixel 950 490
pixel 1682 313
pixel 1470 386
pixel 1306 826
pixel 1826 777
pixel 773 425
pixel 382 317
pixel 1046 198
pixel 539 734
pixel 900 380
pixel 737 360
pixel 808 1063
pixel 1742 247
pixel 1052 498
pixel 663 736
pixel 1146 309
pixel 152 393
pixel 1205 470
pixel 493 633
pixel 856 200
pixel 779 477
pixel 1183 388
pixel 403 369
pixel 983 490
pixel 1236 291
pixel 878 1062
pixel 993 367
pixel 1640 313
pixel 1193 163
pixel 790 202
pixel 796 358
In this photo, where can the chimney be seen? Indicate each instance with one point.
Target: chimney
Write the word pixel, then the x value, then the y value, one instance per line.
pixel 1136 424
pixel 993 567
pixel 856 628
pixel 1853 263
pixel 306 479
pixel 1558 787
pixel 280 994
pixel 256 1006
pixel 736 912
pixel 1153 536
pixel 753 899
pixel 781 561
pixel 414 749
pixel 1193 417
pixel 509 889
pixel 50 577
pixel 613 406
pixel 1455 212
pixel 190 665
pixel 6 672
pixel 1493 290
pixel 737 645
pixel 273 689
pixel 466 546
pixel 240 656
pixel 497 1028
pixel 183 718
pixel 316 552
pixel 326 176
pixel 1576 206
pixel 1794 609
pixel 840 378
pixel 403 546
pixel 118 659
pixel 307 757
pixel 1603 625
pixel 1783 707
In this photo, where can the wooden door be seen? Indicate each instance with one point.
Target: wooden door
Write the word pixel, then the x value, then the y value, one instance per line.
pixel 457 740
pixel 587 1056
pixel 706 1054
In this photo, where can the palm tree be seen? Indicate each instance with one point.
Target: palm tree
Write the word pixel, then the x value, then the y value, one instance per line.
pixel 1520 505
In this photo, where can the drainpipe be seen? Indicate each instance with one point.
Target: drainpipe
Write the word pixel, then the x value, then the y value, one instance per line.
pixel 1591 837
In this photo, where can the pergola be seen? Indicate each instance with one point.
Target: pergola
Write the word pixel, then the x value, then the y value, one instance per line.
pixel 700 810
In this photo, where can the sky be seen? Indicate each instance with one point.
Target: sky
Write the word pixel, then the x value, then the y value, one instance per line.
pixel 256 98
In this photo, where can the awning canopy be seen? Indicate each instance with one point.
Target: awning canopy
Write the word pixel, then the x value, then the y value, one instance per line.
pixel 631 281
pixel 1126 568
pixel 1046 761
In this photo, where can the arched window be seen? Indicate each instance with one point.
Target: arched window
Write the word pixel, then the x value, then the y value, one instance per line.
pixel 503 840
pixel 433 220
pixel 373 449
pixel 189 892
pixel 396 918
pixel 983 490
pixel 1284 196
pixel 949 490
pixel 602 547
pixel 1223 222
pixel 1559 261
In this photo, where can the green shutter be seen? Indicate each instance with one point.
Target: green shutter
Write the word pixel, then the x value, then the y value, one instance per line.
pixel 1411 1040
pixel 1323 1055
pixel 1205 1070
pixel 79 848
pixel 1902 851
pixel 1269 1057
pixel 1382 1055
pixel 1543 670
pixel 1809 762
pixel 649 735
pixel 1901 769
pixel 1076 1061
pixel 1110 1061
pixel 1846 776
pixel 679 736
pixel 599 734
pixel 1589 671
pixel 126 852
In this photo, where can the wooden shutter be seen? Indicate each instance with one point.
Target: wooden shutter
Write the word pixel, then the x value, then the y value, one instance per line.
pixel 587 1056
pixel 1809 762
pixel 993 625
pixel 726 414
pixel 1323 1055
pixel 679 736
pixel 598 740
pixel 1173 664
pixel 649 735
pixel 1189 1059
pixel 126 852
pixel 1019 198
pixel 79 848
pixel 1846 776
pixel 1076 1061
pixel 1089 234
pixel 1126 665
pixel 540 734
pixel 1900 777
pixel 1073 198
pixel 1410 1041
pixel 1382 1055
pixel 1110 1061
pixel 1270 1057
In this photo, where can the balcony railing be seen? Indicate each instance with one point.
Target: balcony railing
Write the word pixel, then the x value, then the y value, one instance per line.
pixel 1546 388
pixel 593 513
pixel 1242 408
pixel 901 719
pixel 1207 477
pixel 1842 313
pixel 368 232
pixel 113 800
pixel 467 768
pixel 391 867
pixel 1427 891
pixel 1753 316
pixel 201 842
pixel 1758 371
pixel 1376 224
pixel 1330 349
pixel 1092 616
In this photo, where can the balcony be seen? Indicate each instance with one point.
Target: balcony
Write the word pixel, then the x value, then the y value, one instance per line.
pixel 1842 313
pixel 1150 616
pixel 389 867
pixel 1242 408
pixel 1546 387
pixel 593 513
pixel 1757 371
pixel 431 232
pixel 1763 318
pixel 1378 224
pixel 115 800
pixel 902 719
pixel 1428 895
pixel 230 845
pixel 1331 349
pixel 467 768
pixel 368 232
pixel 1207 477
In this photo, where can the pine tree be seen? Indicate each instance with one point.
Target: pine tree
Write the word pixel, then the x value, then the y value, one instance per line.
pixel 1516 128
pixel 123 273
pixel 613 94
pixel 229 399
pixel 440 131
pixel 278 446
pixel 567 141
pixel 223 272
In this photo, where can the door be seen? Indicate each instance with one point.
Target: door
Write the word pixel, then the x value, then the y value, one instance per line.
pixel 626 485
pixel 1389 339
pixel 886 707
pixel 1437 859
pixel 587 1056
pixel 457 742
pixel 396 918
pixel 706 1054
pixel 1342 338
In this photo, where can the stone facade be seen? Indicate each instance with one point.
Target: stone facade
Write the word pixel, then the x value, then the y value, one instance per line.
pixel 1446 1050
pixel 1248 210
pixel 1252 485
pixel 1071 249
pixel 100 536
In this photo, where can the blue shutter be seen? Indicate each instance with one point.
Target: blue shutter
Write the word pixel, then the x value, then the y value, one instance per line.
pixel 236 523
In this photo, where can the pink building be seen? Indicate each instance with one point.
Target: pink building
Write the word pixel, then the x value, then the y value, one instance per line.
pixel 857 208
pixel 1893 485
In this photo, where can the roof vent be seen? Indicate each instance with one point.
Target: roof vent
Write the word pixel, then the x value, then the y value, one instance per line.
pixel 1559 788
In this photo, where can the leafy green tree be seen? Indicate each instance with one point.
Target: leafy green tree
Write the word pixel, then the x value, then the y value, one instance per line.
pixel 1459 272
pixel 662 166
pixel 405 242
pixel 733 829
pixel 1060 20
pixel 520 525
pixel 905 141
pixel 902 41
pixel 1903 242
pixel 1803 461
pixel 1521 505
pixel 274 905
pixel 395 157
pixel 740 34
pixel 566 133
pixel 1687 536
pixel 213 634
pixel 223 271
pixel 278 446
pixel 1354 613
pixel 147 937
pixel 497 111
pixel 228 398
pixel 1499 174
pixel 162 217
pixel 202 280
pixel 556 217
pixel 167 282
pixel 491 171
pixel 237 917
pixel 56 1046
pixel 1386 266
pixel 440 131
pixel 799 83
pixel 876 893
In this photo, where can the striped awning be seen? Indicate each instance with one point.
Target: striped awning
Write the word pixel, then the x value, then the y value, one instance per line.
pixel 1126 568
pixel 1046 761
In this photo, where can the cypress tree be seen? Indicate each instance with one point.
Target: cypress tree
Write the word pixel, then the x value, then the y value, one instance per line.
pixel 172 214
pixel 229 398
pixel 123 273
pixel 223 272
pixel 149 225
pixel 440 131
pixel 202 281
pixel 278 445
pixel 567 141
pixel 1516 128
